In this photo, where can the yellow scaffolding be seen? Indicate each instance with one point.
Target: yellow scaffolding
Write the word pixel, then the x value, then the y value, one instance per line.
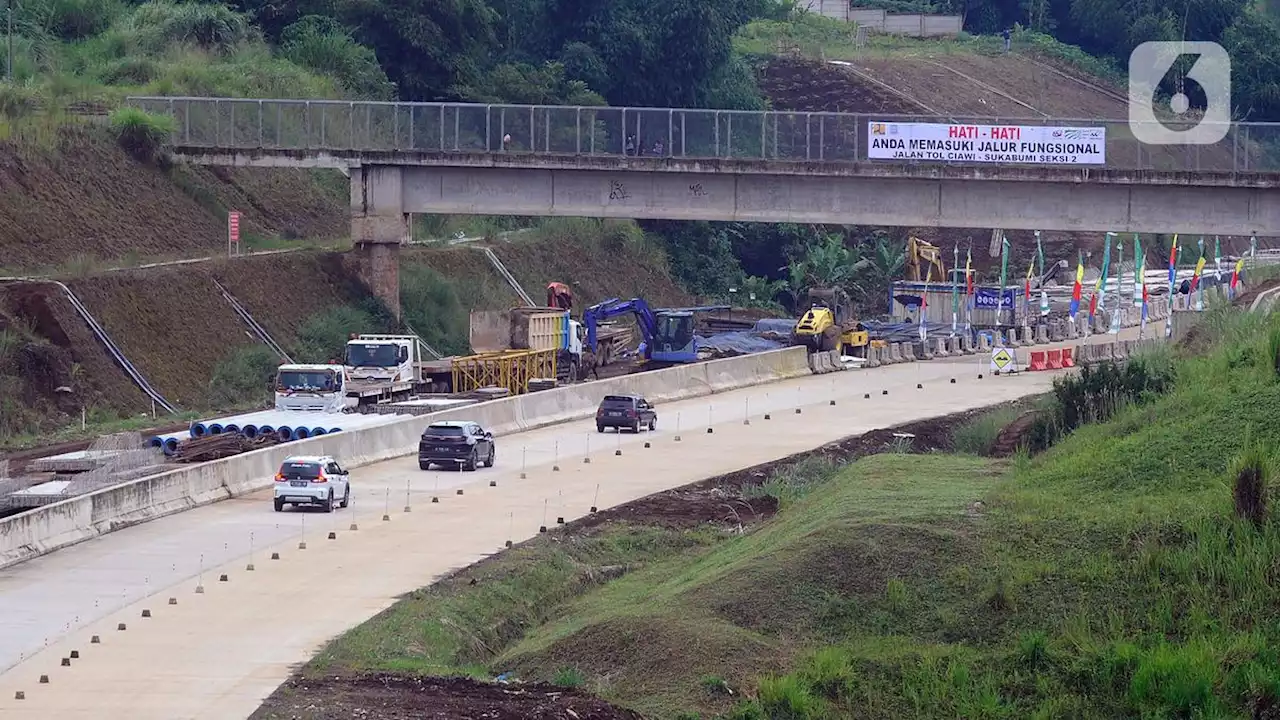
pixel 511 369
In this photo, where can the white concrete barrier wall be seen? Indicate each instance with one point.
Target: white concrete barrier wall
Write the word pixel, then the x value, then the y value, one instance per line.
pixel 61 524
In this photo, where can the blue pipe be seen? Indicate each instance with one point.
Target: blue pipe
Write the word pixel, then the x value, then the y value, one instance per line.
pixel 301 433
pixel 156 441
pixel 231 428
pixel 334 430
pixel 250 431
pixel 317 431
pixel 198 430
pixel 285 433
pixel 215 428
pixel 170 445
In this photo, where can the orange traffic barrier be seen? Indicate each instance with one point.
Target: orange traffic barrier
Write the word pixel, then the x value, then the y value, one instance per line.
pixel 1038 361
pixel 1054 358
pixel 1067 360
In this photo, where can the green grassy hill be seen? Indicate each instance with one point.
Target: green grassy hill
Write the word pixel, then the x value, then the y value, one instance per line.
pixel 1110 576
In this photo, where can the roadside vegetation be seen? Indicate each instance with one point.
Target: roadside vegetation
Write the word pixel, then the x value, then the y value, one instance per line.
pixel 1125 568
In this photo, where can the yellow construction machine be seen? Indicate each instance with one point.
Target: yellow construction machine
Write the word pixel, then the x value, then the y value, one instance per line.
pixel 828 324
pixel 924 261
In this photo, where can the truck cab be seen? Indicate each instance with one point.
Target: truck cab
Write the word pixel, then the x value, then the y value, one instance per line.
pixel 384 358
pixel 313 388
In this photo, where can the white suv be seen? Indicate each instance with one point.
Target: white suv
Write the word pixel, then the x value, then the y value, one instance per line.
pixel 312 480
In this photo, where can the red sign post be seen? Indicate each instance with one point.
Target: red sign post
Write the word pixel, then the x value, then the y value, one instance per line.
pixel 233 232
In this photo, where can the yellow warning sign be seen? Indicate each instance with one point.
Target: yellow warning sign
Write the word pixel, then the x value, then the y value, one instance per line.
pixel 1002 360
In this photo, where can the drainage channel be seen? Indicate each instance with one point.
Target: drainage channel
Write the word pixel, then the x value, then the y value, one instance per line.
pixel 253 324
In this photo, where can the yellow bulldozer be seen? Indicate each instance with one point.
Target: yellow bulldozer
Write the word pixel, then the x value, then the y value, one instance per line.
pixel 828 324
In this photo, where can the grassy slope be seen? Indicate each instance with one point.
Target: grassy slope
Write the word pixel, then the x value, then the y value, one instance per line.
pixel 1105 578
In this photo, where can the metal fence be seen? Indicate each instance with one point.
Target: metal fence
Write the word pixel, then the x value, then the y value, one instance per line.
pixel 239 124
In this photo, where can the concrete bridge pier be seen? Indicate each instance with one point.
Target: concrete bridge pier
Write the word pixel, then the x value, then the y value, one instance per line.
pixel 379 226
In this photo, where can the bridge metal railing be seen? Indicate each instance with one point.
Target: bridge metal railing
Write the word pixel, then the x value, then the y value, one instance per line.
pixel 341 126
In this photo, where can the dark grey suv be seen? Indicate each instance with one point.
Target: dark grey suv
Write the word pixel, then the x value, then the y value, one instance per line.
pixel 626 411
pixel 456 443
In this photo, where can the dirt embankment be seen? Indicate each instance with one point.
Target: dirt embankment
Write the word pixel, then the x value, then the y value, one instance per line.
pixel 83 198
pixel 173 323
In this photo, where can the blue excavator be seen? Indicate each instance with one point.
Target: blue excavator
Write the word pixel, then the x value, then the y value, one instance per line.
pixel 669 337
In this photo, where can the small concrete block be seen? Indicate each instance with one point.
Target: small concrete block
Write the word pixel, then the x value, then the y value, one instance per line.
pixel 66 662
pixel 953 381
pixel 223 577
pixel 459 491
pixel 617 453
pixel 276 555
pixel 508 544
pixel 919 386
pixel 95 640
pixel 542 528
pixel 831 402
pixel 555 468
pixel 493 483
pixel 677 438
pixel 435 499
pixel 44 679
pixel 385 518
pixel 767 416
pixel 146 613
pixel 352 526
pixel 594 508
pixel 559 521
pixel 173 601
pixel 524 476
pixel 332 536
pixel 646 443
pixel 866 396
pixel 121 627
pixel 75 654
pixel 303 545
pixel 884 392
pixel 19 695
pixel 710 430
pixel 586 461
pixel 797 411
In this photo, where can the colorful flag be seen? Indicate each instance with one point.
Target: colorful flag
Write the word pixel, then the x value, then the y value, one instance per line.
pixel 1173 264
pixel 1044 296
pixel 1195 276
pixel 1030 271
pixel 1145 298
pixel 968 271
pixel 1100 290
pixel 1217 258
pixel 1139 270
pixel 955 291
pixel 1078 287
pixel 1235 274
pixel 923 304
pixel 1004 276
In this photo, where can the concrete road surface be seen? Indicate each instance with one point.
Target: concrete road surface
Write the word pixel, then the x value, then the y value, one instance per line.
pixel 217 654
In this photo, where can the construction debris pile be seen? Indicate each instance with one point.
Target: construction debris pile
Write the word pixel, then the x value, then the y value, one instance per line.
pixel 216 447
pixel 110 460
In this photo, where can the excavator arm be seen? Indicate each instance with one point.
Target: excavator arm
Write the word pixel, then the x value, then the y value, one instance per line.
pixel 924 261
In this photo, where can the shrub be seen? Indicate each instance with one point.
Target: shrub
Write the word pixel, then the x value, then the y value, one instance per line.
pixel 786 697
pixel 324 336
pixel 1251 471
pixel 140 133
pixel 244 377
pixel 977 436
pixel 569 677
pixel 160 24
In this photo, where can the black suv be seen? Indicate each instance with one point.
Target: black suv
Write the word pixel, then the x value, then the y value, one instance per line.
pixel 456 442
pixel 625 411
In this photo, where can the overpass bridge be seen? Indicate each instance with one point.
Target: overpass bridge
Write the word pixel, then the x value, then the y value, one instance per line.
pixel 725 165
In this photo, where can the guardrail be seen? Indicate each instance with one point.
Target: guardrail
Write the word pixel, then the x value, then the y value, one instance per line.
pixel 338 126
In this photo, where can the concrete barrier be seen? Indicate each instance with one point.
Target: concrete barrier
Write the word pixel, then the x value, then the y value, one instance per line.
pixel 58 525
pixel 873 357
pixel 908 352
pixel 941 349
pixel 895 353
pixel 837 363
pixel 1042 334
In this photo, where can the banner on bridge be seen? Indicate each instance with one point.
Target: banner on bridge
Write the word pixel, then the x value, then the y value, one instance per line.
pixel 1011 144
